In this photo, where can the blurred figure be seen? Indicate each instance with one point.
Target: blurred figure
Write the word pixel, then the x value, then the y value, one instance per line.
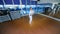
pixel 30 15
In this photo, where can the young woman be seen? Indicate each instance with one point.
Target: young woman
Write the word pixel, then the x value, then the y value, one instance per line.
pixel 30 15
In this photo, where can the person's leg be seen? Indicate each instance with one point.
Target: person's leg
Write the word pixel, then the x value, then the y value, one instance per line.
pixel 30 17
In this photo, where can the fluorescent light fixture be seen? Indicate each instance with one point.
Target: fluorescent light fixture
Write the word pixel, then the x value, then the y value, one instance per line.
pixel 33 0
pixel 33 6
pixel 1 5
pixel 21 6
pixel 28 6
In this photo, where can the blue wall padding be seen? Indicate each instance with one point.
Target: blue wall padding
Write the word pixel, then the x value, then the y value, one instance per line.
pixel 28 2
pixel 1 2
pixel 8 1
pixel 17 2
pixel 33 2
pixel 24 2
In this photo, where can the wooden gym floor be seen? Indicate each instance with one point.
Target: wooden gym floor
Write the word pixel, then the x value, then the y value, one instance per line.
pixel 40 25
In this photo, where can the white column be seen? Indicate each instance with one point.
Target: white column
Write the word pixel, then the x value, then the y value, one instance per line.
pixel 4 4
pixel 21 4
pixel 13 2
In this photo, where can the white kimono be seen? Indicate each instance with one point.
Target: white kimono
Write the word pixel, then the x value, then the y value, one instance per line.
pixel 30 16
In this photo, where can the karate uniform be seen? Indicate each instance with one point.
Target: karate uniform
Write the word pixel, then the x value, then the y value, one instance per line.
pixel 30 16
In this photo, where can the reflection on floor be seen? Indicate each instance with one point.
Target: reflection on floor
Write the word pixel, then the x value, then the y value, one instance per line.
pixel 40 25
